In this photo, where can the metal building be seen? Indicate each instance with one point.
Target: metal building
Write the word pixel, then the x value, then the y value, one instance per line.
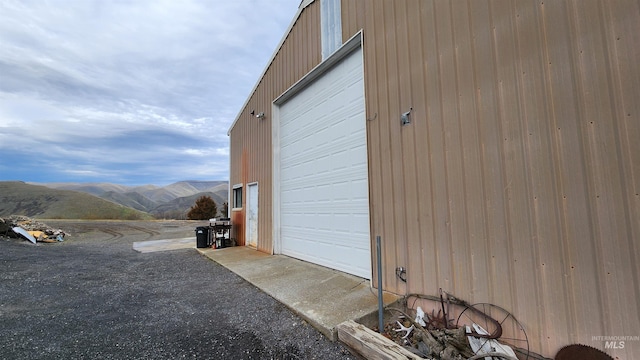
pixel 493 145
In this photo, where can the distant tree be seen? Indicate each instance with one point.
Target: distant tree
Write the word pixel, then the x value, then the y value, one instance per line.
pixel 205 208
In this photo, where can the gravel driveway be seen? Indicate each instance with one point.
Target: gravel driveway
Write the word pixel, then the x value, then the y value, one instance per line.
pixel 93 297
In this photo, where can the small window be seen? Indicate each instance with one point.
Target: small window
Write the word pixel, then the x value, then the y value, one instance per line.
pixel 330 26
pixel 237 196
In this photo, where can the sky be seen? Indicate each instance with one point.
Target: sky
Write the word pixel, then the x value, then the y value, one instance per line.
pixel 130 92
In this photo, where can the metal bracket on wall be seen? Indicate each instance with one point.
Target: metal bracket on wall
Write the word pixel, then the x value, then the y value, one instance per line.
pixel 401 273
pixel 405 117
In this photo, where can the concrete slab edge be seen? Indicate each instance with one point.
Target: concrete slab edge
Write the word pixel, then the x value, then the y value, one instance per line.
pixel 356 334
pixel 362 347
pixel 331 333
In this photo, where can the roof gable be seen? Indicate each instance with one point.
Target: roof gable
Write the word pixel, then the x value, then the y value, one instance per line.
pixel 303 5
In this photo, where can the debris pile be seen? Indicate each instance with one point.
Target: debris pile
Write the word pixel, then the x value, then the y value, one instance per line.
pixel 442 343
pixel 18 226
pixel 457 330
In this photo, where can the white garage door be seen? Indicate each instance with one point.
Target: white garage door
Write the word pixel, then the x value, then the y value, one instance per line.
pixel 324 194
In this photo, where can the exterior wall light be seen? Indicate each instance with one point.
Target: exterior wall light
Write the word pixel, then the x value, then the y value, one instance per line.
pixel 259 115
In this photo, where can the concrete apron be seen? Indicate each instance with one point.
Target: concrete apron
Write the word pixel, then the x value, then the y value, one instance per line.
pixel 164 245
pixel 323 297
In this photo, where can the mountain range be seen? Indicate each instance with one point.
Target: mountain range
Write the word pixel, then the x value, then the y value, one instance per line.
pixel 170 202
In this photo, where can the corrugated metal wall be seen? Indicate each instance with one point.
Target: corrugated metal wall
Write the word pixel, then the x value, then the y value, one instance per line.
pixel 517 182
pixel 251 137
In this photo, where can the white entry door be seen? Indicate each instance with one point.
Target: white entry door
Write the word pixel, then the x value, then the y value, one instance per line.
pixel 252 215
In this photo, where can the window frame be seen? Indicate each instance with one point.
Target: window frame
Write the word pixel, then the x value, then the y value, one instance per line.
pixel 330 27
pixel 237 190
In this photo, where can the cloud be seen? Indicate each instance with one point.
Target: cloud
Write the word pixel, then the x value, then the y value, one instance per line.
pixel 128 91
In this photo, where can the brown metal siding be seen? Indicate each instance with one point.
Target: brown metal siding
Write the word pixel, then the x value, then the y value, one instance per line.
pixel 517 182
pixel 251 137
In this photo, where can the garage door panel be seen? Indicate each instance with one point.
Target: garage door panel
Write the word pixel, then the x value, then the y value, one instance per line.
pixel 324 196
pixel 326 251
pixel 324 92
pixel 306 177
pixel 319 144
pixel 317 161
pixel 313 213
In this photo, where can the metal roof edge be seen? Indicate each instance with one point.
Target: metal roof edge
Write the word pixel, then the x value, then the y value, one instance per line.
pixel 301 7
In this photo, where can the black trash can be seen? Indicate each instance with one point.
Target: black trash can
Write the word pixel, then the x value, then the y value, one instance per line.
pixel 202 236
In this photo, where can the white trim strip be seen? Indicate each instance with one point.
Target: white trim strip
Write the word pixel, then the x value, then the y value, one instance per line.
pixel 352 44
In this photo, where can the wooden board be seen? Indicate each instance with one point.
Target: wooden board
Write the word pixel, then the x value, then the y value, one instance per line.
pixel 370 344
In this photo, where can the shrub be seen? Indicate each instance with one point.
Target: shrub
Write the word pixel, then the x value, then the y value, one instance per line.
pixel 204 208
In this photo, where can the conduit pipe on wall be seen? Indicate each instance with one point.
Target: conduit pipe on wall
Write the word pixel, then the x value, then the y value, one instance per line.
pixel 380 302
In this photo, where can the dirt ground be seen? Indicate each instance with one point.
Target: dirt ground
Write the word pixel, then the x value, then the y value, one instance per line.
pixel 93 296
